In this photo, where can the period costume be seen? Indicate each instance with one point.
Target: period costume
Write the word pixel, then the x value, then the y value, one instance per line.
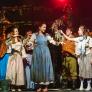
pixel 41 66
pixel 69 64
pixel 15 70
pixel 83 51
pixel 83 45
pixel 28 44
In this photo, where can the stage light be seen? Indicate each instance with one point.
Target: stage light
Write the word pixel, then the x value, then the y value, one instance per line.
pixel 62 2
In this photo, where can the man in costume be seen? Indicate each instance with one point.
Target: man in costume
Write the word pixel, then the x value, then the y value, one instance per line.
pixel 69 64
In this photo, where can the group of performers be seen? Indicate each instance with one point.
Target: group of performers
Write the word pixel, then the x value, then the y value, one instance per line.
pixel 40 59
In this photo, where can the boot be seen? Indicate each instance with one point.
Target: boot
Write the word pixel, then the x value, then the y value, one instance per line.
pixel 81 85
pixel 73 84
pixel 64 84
pixel 88 85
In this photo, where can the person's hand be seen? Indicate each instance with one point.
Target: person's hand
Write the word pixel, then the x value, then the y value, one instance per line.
pixel 61 31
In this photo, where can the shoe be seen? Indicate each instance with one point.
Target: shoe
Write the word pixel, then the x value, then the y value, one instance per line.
pixel 19 90
pixel 13 90
pixel 64 84
pixel 81 88
pixel 88 88
pixel 73 84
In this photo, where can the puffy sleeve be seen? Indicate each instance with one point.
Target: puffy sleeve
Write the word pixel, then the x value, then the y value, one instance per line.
pixel 33 38
pixel 50 39
pixel 24 55
pixel 90 43
pixel 77 39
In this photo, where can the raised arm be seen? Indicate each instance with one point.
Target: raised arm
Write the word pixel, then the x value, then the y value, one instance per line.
pixel 68 38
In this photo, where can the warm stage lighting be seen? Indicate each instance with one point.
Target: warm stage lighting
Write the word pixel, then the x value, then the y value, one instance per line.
pixel 61 2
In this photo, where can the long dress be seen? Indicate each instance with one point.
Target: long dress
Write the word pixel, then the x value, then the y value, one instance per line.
pixel 83 46
pixel 41 66
pixel 3 66
pixel 3 60
pixel 15 69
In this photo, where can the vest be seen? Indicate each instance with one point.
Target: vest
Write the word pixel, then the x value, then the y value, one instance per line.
pixel 68 46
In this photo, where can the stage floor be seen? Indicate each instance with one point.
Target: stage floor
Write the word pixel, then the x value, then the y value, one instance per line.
pixel 59 90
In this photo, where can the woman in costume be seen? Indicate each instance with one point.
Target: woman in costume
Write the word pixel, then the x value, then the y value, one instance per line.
pixel 41 66
pixel 15 69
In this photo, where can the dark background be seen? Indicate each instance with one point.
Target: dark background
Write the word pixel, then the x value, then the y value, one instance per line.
pixel 82 10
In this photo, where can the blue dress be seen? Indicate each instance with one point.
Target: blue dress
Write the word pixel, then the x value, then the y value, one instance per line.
pixel 41 66
pixel 3 66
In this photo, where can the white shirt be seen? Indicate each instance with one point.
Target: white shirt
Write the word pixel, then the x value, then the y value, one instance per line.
pixel 82 45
